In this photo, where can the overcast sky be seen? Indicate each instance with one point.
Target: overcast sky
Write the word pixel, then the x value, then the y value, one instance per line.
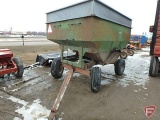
pixel 25 15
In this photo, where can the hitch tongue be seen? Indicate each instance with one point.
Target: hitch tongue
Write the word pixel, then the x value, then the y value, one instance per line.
pixel 60 94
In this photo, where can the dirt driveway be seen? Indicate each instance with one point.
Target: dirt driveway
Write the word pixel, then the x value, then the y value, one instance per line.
pixel 120 97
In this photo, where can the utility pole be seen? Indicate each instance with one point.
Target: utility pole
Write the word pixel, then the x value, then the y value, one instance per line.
pixel 22 39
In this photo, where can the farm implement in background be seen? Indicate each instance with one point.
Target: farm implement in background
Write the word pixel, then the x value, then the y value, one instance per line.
pixel 9 65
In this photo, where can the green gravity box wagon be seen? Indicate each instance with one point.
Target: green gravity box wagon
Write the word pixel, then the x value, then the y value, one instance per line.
pixel 95 32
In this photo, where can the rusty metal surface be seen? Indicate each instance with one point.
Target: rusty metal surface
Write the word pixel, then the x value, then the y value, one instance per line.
pixel 94 35
pixel 157 42
pixel 89 32
pixel 10 69
pixel 76 69
pixel 60 94
pixel 155 46
pixel 72 32
pixel 6 64
pixel 64 87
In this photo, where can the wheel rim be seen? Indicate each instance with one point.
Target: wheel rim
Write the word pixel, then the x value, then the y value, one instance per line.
pixel 123 54
pixel 130 52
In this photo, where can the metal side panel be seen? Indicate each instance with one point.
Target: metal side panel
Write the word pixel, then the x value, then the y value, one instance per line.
pixel 107 13
pixel 76 11
pixel 155 38
pixel 89 8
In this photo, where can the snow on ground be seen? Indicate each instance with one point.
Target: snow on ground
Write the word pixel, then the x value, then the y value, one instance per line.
pixel 136 71
pixel 147 49
pixel 16 100
pixel 34 111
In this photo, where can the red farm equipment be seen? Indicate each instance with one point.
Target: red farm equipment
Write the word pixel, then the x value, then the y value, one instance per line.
pixel 9 65
pixel 155 45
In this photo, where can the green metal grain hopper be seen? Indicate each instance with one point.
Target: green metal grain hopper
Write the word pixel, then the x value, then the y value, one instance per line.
pixel 95 32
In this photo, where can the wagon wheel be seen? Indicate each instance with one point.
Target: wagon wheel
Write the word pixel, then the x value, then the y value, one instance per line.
pixel 95 79
pixel 123 55
pixel 19 63
pixel 154 66
pixel 130 52
pixel 119 66
pixel 57 68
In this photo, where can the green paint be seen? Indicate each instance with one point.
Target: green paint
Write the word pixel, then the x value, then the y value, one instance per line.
pixel 91 35
pixel 64 26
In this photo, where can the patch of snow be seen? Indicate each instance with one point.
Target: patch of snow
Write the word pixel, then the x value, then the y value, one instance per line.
pixel 28 74
pixel 59 118
pixel 105 82
pixel 15 90
pixel 64 74
pixel 49 74
pixel 147 49
pixel 135 90
pixel 123 83
pixel 1 96
pixel 4 88
pixel 16 100
pixel 34 111
pixel 76 75
pixel 144 88
pixel 143 53
pixel 33 83
pixel 40 66
pixel 37 101
pixel 97 66
pixel 16 118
